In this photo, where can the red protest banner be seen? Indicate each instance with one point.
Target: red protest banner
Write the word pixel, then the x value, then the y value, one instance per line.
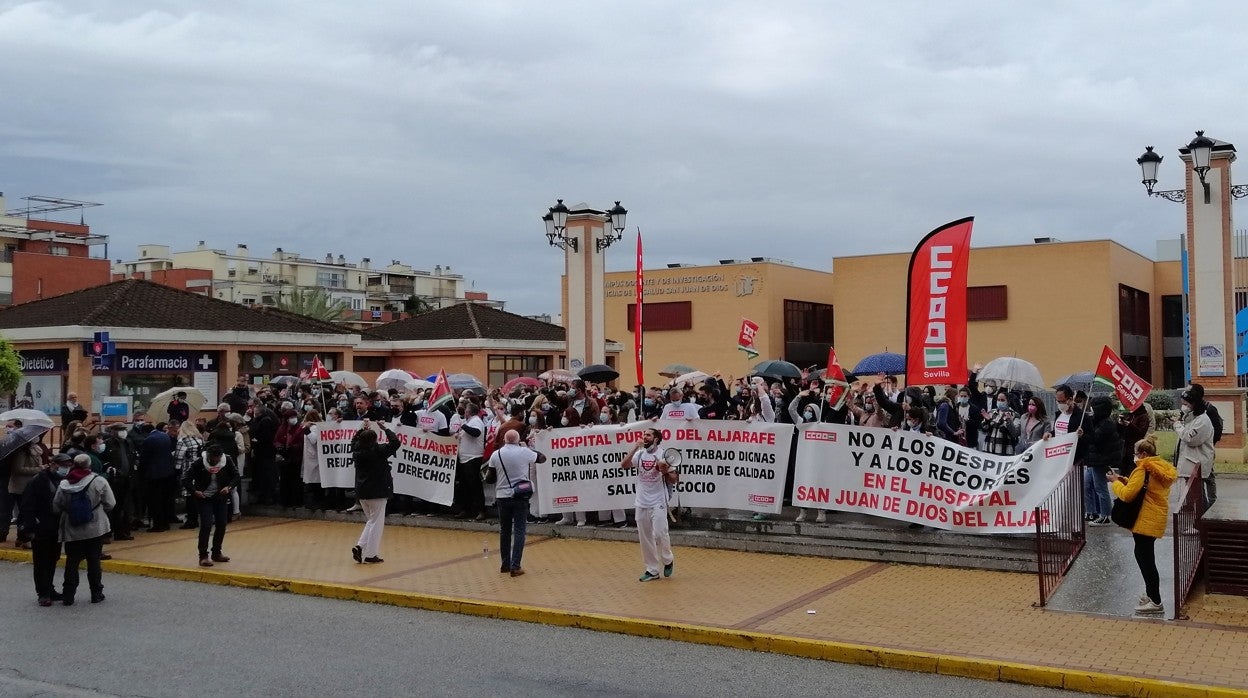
pixel 834 377
pixel 745 339
pixel 1130 388
pixel 936 311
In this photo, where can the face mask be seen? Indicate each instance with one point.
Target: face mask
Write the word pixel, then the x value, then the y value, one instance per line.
pixel 564 421
pixel 342 404
pixel 246 418
pixel 98 448
pixel 139 424
pixel 62 471
pixel 1002 405
pixel 1031 409
pixel 604 418
pixel 292 420
pixel 869 407
pixel 1064 407
pixel 809 416
pixel 121 433
pixel 532 421
pixel 1185 409
pixel 964 401
pixel 914 424
pixel 649 402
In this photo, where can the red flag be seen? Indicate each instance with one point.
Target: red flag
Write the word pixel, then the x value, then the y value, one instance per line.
pixel 834 377
pixel 638 299
pixel 1130 388
pixel 745 339
pixel 441 393
pixel 318 371
pixel 936 312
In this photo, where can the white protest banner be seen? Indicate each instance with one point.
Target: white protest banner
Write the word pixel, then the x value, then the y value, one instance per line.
pixel 424 465
pixel 724 465
pixel 923 479
pixel 333 453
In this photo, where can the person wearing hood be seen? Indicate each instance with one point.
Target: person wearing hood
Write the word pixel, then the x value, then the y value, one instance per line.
pixel 808 413
pixel 83 541
pixel 1195 432
pixel 39 524
pixel 1103 448
pixel 1154 476
pixel 210 480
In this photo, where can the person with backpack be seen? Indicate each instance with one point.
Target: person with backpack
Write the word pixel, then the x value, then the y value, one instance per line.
pixel 40 525
pixel 210 480
pixel 1196 438
pixel 1215 419
pixel 83 500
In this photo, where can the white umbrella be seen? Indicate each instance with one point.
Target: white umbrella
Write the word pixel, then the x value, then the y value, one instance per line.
pixel 159 406
pixel 418 384
pixel 395 378
pixel 691 377
pixel 557 375
pixel 348 378
pixel 1011 372
pixel 27 417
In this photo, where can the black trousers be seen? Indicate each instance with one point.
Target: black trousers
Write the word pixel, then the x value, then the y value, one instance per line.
pixel 45 553
pixel 264 473
pixel 75 552
pixel 214 513
pixel 160 500
pixel 290 489
pixel 469 496
pixel 1146 558
pixel 119 517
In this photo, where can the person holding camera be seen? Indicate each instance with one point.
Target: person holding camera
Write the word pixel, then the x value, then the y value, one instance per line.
pixel 999 427
pixel 653 476
pixel 374 483
pixel 512 464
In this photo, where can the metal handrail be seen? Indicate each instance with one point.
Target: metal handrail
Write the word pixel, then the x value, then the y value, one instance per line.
pixel 1060 532
pixel 1189 544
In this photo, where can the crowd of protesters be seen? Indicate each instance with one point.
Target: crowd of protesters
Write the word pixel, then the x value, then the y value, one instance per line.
pixel 269 437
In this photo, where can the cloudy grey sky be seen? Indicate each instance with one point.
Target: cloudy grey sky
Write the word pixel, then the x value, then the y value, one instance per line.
pixel 439 132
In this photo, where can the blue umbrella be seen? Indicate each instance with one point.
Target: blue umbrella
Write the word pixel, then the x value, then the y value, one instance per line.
pixel 884 362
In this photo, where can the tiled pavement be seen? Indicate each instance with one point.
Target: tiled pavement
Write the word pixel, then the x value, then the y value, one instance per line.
pixel 965 622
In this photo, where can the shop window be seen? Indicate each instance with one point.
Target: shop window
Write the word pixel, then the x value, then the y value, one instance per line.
pixel 1135 330
pixel 986 303
pixel 659 317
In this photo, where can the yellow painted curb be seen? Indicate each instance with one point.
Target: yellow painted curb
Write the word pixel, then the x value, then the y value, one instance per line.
pixel 841 652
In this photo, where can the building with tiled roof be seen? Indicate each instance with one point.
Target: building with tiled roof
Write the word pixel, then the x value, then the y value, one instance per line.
pixel 164 337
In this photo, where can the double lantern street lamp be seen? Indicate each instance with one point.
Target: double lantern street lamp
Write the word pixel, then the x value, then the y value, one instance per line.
pixel 556 220
pixel 1201 150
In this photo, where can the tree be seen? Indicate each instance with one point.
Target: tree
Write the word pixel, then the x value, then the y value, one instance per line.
pixel 314 303
pixel 10 367
pixel 417 305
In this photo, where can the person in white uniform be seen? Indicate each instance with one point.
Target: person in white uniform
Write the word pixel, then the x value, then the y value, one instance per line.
pixel 653 476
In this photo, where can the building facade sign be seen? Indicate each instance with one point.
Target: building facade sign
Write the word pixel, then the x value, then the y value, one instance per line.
pixel 161 361
pixel 45 361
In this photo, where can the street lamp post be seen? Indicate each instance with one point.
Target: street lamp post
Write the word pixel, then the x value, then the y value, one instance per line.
pixel 1209 283
pixel 584 234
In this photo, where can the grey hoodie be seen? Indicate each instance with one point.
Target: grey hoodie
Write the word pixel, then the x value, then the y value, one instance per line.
pixel 101 498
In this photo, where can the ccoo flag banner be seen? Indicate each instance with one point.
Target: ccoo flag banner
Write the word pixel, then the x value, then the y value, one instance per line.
pixel 723 465
pixel 745 338
pixel 910 476
pixel 936 311
pixel 1130 388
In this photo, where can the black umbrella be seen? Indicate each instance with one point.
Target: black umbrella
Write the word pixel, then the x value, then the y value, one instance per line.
pixel 16 438
pixel 777 369
pixel 598 373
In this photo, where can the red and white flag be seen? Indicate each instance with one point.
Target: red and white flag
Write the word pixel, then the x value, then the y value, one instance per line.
pixel 1130 388
pixel 834 377
pixel 441 393
pixel 745 339
pixel 936 311
pixel 318 372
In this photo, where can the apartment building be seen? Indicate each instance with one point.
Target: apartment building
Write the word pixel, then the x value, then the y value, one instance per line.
pixel 41 257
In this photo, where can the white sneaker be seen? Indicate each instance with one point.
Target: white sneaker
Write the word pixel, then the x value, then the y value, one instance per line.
pixel 564 522
pixel 1149 607
pixel 821 517
pixel 800 517
pixel 580 524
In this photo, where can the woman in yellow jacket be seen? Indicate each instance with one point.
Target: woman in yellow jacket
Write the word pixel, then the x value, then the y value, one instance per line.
pixel 1151 523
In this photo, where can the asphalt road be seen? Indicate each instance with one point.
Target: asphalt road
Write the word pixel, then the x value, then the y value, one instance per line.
pixel 161 638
